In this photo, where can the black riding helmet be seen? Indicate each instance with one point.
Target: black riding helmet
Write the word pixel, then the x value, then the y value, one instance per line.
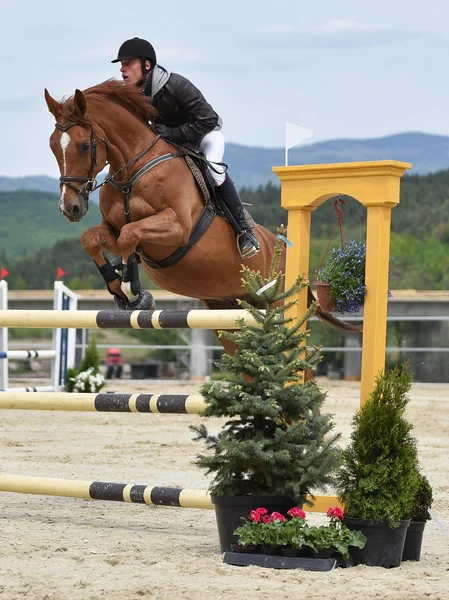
pixel 136 48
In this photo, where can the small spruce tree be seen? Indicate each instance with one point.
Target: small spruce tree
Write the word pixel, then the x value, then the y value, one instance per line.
pixel 275 441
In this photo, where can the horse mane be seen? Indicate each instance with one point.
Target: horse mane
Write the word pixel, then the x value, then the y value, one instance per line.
pixel 129 97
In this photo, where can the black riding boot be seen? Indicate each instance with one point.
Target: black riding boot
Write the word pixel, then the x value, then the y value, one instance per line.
pixel 246 240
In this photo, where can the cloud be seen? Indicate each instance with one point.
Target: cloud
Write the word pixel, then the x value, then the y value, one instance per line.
pixel 335 33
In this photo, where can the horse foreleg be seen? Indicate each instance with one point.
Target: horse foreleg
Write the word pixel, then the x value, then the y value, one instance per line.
pixel 95 241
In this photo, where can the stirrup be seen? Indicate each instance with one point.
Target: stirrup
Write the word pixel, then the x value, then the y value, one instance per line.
pixel 249 251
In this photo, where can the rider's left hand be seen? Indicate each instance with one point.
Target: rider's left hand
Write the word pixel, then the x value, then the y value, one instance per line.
pixel 163 130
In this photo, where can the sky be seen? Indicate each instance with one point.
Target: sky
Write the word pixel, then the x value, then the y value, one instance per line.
pixel 346 69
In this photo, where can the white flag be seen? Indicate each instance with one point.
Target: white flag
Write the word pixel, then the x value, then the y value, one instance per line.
pixel 294 134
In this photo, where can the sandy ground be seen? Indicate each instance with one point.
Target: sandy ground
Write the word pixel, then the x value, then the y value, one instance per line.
pixel 63 548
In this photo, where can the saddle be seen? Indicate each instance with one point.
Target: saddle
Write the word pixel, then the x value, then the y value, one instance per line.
pixel 201 174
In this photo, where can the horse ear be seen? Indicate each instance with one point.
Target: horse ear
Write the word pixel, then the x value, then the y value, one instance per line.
pixel 53 105
pixel 80 103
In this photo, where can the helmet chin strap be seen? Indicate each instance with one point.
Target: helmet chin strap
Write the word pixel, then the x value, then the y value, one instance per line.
pixel 147 78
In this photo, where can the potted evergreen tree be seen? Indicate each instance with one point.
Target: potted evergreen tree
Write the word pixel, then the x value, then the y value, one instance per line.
pixel 378 480
pixel 419 516
pixel 276 446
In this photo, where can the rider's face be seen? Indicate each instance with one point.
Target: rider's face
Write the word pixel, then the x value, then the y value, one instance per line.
pixel 131 71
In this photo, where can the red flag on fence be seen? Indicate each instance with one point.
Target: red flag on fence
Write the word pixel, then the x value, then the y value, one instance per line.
pixel 3 273
pixel 59 273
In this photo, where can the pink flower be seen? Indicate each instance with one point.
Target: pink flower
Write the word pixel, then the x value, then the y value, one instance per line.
pixel 336 512
pixel 296 513
pixel 255 516
pixel 266 519
pixel 275 516
pixel 262 511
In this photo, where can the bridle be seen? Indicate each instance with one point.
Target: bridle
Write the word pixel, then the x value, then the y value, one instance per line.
pixel 90 181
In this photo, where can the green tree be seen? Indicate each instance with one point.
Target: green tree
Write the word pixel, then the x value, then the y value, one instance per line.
pixel 275 440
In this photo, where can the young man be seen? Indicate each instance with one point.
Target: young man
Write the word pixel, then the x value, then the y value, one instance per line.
pixel 185 118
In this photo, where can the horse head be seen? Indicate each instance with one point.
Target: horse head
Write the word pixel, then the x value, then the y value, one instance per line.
pixel 80 149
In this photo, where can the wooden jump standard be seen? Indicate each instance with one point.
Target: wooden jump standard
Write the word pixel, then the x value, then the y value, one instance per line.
pixel 122 319
pixel 139 403
pixel 122 492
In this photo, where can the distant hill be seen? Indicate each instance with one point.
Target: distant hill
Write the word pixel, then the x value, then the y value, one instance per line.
pixel 251 166
pixel 31 220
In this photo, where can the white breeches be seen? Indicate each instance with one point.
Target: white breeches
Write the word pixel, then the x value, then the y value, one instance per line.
pixel 213 146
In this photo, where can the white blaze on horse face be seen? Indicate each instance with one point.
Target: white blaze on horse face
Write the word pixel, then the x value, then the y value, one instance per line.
pixel 64 141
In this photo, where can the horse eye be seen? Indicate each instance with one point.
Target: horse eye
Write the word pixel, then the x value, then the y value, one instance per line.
pixel 84 146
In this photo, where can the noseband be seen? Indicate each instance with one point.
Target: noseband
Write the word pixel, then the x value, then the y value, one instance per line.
pixel 91 183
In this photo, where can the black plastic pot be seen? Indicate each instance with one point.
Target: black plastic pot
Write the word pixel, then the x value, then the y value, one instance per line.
pixel 413 541
pixel 231 510
pixel 384 545
pixel 245 549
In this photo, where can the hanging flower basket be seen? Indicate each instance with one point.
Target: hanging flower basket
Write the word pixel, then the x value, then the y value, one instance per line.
pixel 343 271
pixel 323 292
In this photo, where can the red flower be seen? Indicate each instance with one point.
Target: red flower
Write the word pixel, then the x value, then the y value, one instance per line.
pixel 266 519
pixel 275 516
pixel 262 511
pixel 336 512
pixel 255 516
pixel 296 513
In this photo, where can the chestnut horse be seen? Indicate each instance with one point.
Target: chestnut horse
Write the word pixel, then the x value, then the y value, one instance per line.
pixel 149 204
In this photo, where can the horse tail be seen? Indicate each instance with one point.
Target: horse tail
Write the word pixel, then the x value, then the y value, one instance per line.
pixel 329 317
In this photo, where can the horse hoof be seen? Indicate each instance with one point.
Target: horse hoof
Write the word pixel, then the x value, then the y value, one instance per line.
pixel 144 301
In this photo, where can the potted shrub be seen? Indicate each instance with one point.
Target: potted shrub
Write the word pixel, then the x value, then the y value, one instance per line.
pixel 275 447
pixel 379 480
pixel 340 281
pixel 419 516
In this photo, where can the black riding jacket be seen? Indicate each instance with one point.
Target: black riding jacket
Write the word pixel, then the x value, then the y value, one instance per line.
pixel 183 109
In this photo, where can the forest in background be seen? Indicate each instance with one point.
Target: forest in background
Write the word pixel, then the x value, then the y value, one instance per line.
pixel 36 238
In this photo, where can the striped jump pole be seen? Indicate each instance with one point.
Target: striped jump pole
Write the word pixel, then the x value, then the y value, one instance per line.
pixel 100 490
pixel 137 403
pixel 30 388
pixel 122 492
pixel 21 354
pixel 118 319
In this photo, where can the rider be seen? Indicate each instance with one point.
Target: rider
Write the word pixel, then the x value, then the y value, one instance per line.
pixel 185 118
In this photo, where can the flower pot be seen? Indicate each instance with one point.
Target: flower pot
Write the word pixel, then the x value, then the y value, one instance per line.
pixel 384 545
pixel 324 553
pixel 323 291
pixel 289 551
pixel 413 541
pixel 269 550
pixel 245 549
pixel 231 510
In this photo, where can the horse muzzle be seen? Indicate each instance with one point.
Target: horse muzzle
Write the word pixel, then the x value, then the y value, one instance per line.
pixel 74 210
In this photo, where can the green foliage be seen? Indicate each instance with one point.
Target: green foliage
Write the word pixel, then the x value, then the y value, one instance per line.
pixel 91 365
pixel 31 221
pixel 261 529
pixel 70 379
pixel 378 479
pixel 91 358
pixel 423 500
pixel 275 441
